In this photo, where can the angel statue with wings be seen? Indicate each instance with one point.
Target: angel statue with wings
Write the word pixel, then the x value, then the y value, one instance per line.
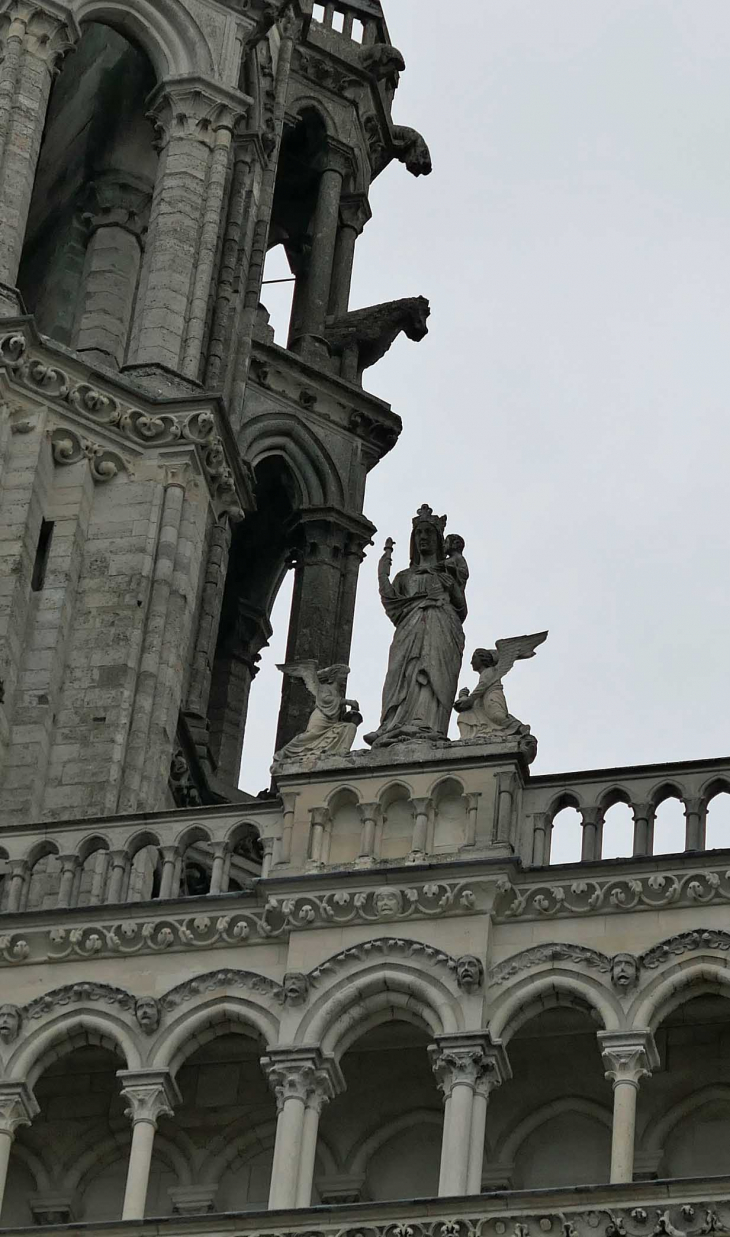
pixel 332 726
pixel 483 712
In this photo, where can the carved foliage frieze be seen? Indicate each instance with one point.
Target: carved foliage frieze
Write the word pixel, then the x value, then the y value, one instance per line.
pixel 614 894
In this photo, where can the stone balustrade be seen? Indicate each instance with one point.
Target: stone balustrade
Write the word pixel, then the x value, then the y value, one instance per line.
pixel 683 1208
pixel 642 787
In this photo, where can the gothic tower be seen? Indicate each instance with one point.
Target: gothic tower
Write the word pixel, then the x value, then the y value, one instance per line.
pixel 164 461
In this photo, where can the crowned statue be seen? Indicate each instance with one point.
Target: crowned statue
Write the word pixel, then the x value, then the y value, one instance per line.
pixel 427 605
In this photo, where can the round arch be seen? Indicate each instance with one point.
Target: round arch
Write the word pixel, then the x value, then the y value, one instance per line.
pixel 165 29
pixel 532 995
pixel 511 1144
pixel 380 1135
pixel 680 984
pixel 64 1034
pixel 308 460
pixel 221 1015
pixel 381 993
pixel 656 1134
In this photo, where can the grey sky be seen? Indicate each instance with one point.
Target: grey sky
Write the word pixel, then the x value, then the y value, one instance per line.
pixel 569 408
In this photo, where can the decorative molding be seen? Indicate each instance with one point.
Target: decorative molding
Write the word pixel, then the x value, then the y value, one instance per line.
pixel 383 946
pixel 539 955
pixel 67 447
pixel 160 429
pixel 684 943
pixel 615 894
pixel 214 980
pixel 277 919
pixel 72 994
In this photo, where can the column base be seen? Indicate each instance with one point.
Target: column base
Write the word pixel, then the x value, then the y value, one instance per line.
pixel 193 1200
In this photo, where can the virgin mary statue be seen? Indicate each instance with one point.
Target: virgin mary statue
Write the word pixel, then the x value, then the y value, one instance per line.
pixel 426 603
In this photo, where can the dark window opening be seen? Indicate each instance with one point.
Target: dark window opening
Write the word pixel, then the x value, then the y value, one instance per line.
pixel 43 550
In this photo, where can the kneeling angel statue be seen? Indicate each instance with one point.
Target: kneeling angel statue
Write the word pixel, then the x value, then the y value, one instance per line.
pixel 333 724
pixel 483 712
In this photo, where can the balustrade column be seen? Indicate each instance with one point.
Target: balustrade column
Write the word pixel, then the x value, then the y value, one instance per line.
pixel 18 1106
pixel 221 851
pixel 69 867
pixel 628 1056
pixel 150 1094
pixel 592 819
pixel 643 828
pixel 541 838
pixel 370 814
pixel 472 810
pixel 119 861
pixel 283 850
pixel 354 214
pixel 504 807
pixel 36 39
pixel 695 815
pixel 169 856
pixel 320 819
pixel 19 876
pixel 302 1081
pixel 419 842
pixel 461 1063
pixel 190 114
pixel 497 1070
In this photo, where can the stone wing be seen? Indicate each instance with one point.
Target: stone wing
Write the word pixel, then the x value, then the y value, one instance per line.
pixel 517 648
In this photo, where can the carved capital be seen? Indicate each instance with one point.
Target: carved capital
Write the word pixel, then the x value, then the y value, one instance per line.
pixel 370 812
pixel 18 1106
pixel 48 30
pixel 592 815
pixel 195 109
pixel 355 211
pixel 303 1074
pixel 643 811
pixel 150 1094
pixel 67 447
pixel 422 806
pixel 115 201
pixel 628 1055
pixel 473 1060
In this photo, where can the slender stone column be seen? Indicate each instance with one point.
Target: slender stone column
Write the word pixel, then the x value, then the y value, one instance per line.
pixel 421 811
pixel 116 219
pixel 69 867
pixel 354 214
pixel 472 810
pixel 628 1056
pixel 37 35
pixel 695 814
pixel 370 814
pixel 18 1106
pixel 541 838
pixel 283 850
pixel 221 851
pixel 169 856
pixel 504 807
pixel 302 1080
pixel 150 1094
pixel 308 321
pixel 643 828
pixel 119 861
pixel 320 818
pixel 19 874
pixel 189 113
pixel 592 819
pixel 462 1063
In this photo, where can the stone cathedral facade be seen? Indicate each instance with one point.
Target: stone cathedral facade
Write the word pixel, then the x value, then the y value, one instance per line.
pixel 367 991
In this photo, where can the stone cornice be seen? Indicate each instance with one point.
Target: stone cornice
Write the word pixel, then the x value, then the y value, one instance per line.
pixel 87 401
pixel 638 890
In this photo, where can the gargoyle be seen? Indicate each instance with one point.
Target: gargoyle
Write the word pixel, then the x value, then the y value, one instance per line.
pixel 363 336
pixel 410 148
pixel 380 60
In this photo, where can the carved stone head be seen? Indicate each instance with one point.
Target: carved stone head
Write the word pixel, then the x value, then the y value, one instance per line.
pixel 10 1020
pixel 147 1012
pixel 295 988
pixel 469 973
pixel 454 544
pixel 624 971
pixel 482 659
pixel 387 903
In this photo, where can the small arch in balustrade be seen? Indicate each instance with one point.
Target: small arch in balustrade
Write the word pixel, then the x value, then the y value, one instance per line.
pixel 345 825
pixel 144 868
pixel 195 864
pixel 43 877
pixel 617 829
pixel 245 857
pixel 670 826
pixel 716 801
pixel 450 816
pixel 93 871
pixel 394 834
pixel 566 828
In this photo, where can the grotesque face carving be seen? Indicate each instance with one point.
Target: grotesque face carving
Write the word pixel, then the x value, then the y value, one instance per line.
pixel 469 973
pixel 624 971
pixel 10 1019
pixel 295 988
pixel 147 1013
pixel 387 903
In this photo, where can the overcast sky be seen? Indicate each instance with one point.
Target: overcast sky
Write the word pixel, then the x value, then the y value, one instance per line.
pixel 569 409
